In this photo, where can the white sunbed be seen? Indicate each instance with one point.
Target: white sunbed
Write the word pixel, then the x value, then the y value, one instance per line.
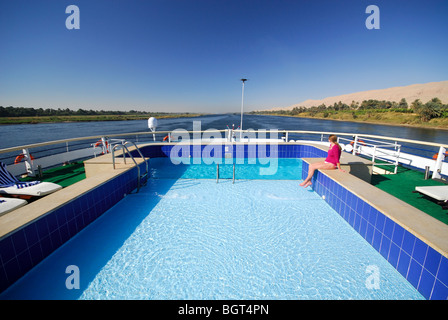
pixel 10 185
pixel 37 190
pixel 10 204
pixel 439 193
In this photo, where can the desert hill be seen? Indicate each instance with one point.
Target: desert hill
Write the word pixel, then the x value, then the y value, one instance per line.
pixel 424 92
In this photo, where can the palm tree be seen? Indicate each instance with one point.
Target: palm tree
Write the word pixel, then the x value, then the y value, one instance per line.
pixel 403 104
pixel 429 110
pixel 416 105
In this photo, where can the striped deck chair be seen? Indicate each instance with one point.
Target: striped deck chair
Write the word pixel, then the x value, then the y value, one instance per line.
pixel 10 185
pixel 8 180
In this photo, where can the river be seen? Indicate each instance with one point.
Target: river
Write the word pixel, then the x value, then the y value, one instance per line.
pixel 22 134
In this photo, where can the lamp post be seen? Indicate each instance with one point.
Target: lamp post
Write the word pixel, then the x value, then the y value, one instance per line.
pixel 242 104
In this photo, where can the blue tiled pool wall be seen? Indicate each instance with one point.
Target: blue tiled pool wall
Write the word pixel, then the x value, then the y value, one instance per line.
pixel 237 151
pixel 26 247
pixel 424 267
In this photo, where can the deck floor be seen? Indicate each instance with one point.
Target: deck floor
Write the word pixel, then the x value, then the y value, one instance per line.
pixel 402 184
pixel 64 175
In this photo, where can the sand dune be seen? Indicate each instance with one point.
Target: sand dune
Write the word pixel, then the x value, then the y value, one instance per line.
pixel 424 92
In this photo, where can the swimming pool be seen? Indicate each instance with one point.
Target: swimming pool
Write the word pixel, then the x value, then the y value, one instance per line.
pixel 245 168
pixel 198 239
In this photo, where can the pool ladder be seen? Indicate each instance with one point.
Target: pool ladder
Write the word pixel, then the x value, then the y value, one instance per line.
pixel 217 173
pixel 125 148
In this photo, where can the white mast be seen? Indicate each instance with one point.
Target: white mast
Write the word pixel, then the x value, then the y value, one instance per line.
pixel 242 104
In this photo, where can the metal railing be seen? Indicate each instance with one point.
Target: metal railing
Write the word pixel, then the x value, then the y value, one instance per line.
pixel 435 164
pixel 229 136
pixel 374 150
pixel 217 173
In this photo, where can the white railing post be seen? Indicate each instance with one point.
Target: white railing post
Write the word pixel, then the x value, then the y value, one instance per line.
pixel 397 158
pixel 29 163
pixel 104 145
pixel 438 165
pixel 355 144
pixel 373 157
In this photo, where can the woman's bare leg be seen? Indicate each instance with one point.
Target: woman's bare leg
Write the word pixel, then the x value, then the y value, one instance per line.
pixel 312 168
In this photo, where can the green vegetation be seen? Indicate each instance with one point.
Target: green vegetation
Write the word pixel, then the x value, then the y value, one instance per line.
pixel 13 115
pixel 431 114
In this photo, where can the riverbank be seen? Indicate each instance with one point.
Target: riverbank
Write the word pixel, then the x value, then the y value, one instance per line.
pixel 386 118
pixel 89 118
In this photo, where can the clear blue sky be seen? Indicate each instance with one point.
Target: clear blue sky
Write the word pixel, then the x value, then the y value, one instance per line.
pixel 188 55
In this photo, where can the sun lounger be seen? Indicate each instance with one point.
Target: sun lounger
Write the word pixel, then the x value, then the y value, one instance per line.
pixel 10 204
pixel 439 193
pixel 10 185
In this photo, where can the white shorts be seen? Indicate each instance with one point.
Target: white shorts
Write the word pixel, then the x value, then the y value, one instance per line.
pixel 331 163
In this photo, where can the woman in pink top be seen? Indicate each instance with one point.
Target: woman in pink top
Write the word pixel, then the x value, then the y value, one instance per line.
pixel 331 162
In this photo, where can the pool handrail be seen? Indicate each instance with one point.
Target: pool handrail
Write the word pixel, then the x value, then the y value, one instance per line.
pixel 124 147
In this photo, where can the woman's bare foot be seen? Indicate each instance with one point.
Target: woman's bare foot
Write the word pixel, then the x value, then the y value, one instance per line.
pixel 303 183
pixel 307 184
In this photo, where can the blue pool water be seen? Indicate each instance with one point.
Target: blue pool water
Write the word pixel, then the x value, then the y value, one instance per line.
pixel 198 239
pixel 248 168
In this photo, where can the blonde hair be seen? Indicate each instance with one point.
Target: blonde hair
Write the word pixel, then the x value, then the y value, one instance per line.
pixel 333 138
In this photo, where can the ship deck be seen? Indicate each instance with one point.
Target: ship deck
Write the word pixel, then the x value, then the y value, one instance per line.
pixel 63 175
pixel 400 185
